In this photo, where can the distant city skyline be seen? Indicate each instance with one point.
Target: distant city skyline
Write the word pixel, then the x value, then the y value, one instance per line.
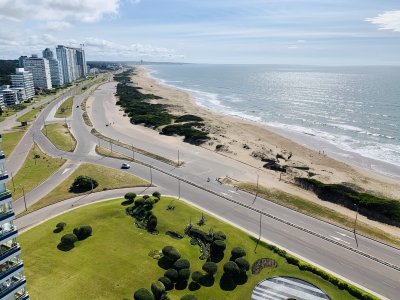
pixel 359 32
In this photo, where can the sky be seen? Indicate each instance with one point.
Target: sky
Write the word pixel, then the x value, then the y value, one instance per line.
pixel 318 32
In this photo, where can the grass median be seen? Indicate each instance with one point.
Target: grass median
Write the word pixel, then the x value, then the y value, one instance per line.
pixel 108 179
pixel 37 167
pixel 31 115
pixel 60 136
pixel 114 262
pixel 320 212
pixel 11 140
pixel 65 109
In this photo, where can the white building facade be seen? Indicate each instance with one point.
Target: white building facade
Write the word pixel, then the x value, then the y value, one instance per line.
pixel 73 63
pixel 24 79
pixel 40 69
pixel 56 74
pixel 12 279
pixel 10 96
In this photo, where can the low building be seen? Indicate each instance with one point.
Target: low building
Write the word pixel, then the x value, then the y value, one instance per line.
pixel 23 79
pixel 10 96
pixel 1 101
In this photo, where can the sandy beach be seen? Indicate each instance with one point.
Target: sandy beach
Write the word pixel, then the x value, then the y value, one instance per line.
pixel 243 139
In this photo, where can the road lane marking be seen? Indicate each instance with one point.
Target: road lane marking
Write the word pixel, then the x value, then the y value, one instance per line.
pixel 226 195
pixel 339 239
pixel 65 171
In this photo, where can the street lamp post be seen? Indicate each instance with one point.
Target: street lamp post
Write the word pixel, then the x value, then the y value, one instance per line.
pixel 151 177
pixel 23 193
pixel 355 225
pixel 179 189
pixel 258 177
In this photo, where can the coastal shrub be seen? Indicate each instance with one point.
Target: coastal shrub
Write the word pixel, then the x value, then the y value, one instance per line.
pixel 189 297
pixel 158 290
pixel 191 135
pixel 237 252
pixel 172 275
pixel 181 264
pixel 210 268
pixel 184 274
pixel 143 294
pixel 167 283
pixel 83 232
pixel 83 184
pixel 188 118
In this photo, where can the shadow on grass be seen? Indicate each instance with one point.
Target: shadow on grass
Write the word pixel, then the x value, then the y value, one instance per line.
pixel 241 279
pixel 194 286
pixel 227 283
pixel 65 248
pixel 181 285
pixel 127 202
pixel 207 280
pixel 217 257
pixel 58 230
pixel 164 263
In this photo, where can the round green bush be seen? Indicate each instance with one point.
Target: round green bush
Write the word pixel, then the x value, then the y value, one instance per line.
pixel 184 274
pixel 152 223
pixel 130 196
pixel 83 232
pixel 145 197
pixel 210 267
pixel 167 283
pixel 139 202
pixel 69 239
pixel 157 195
pixel 231 268
pixel 189 297
pixel 167 249
pixel 172 274
pixel 237 252
pixel 219 235
pixel 196 276
pixel 174 255
pixel 181 264
pixel 61 225
pixel 218 246
pixel 83 184
pixel 143 294
pixel 158 289
pixel 243 264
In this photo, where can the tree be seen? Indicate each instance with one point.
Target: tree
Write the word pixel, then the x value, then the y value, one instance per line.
pixel 237 252
pixel 83 184
pixel 157 195
pixel 231 269
pixel 243 264
pixel 172 274
pixel 210 268
pixel 181 264
pixel 152 223
pixel 158 289
pixel 83 232
pixel 143 294
pixel 219 235
pixel 130 196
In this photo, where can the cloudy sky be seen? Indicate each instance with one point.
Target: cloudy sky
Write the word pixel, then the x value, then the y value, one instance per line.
pixel 328 32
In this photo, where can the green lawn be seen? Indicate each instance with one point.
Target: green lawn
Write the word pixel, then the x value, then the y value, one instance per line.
pixel 60 136
pixel 114 261
pixel 34 171
pixel 65 109
pixel 12 110
pixel 31 115
pixel 10 141
pixel 321 212
pixel 107 178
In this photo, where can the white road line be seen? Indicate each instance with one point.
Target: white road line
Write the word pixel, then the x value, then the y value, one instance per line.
pixel 339 239
pixel 65 171
pixel 227 195
pixel 234 192
pixel 345 235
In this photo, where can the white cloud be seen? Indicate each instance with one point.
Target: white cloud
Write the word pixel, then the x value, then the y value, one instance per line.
pixel 389 20
pixel 57 10
pixel 57 25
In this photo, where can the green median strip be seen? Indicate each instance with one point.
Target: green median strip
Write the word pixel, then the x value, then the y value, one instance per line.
pixel 135 149
pixel 11 140
pixel 320 212
pixel 37 167
pixel 60 136
pixel 65 109
pixel 129 255
pixel 32 114
pixel 107 179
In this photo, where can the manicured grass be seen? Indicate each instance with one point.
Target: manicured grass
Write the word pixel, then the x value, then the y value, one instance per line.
pixel 114 261
pixel 11 140
pixel 65 109
pixel 107 178
pixel 60 136
pixel 34 171
pixel 320 212
pixel 31 115
pixel 10 111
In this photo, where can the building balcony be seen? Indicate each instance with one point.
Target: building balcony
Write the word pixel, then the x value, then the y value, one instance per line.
pixel 6 216
pixel 8 269
pixel 21 296
pixel 7 253
pixel 8 235
pixel 2 156
pixel 5 197
pixel 15 285
pixel 3 177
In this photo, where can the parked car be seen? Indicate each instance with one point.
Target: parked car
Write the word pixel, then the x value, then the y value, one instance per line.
pixel 125 166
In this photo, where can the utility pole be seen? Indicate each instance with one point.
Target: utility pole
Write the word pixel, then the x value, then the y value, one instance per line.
pixel 133 153
pixel 12 180
pixel 259 235
pixel 111 145
pixel 151 177
pixel 258 177
pixel 178 157
pixel 23 193
pixel 91 182
pixel 355 224
pixel 179 189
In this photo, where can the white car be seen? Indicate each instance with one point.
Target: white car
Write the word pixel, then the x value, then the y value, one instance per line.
pixel 125 166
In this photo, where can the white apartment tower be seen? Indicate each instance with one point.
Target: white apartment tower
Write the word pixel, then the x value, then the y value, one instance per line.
pixel 73 62
pixel 40 69
pixel 12 279
pixel 24 80
pixel 56 73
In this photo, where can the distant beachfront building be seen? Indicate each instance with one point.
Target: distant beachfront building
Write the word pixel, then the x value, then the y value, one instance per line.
pixel 21 61
pixel 10 96
pixel 24 80
pixel 1 101
pixel 12 279
pixel 73 62
pixel 40 69
pixel 56 73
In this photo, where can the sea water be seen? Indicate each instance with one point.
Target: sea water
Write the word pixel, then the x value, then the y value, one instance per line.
pixel 353 110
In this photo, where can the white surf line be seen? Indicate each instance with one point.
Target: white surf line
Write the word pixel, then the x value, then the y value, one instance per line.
pixel 339 239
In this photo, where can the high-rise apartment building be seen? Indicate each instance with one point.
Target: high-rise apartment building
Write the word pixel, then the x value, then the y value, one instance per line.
pixel 23 79
pixel 12 279
pixel 47 53
pixel 56 74
pixel 73 62
pixel 21 61
pixel 10 96
pixel 40 69
pixel 1 101
pixel 81 62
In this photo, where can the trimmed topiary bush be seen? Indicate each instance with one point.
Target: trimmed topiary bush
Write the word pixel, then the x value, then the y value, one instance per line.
pixel 69 239
pixel 158 290
pixel 61 225
pixel 143 294
pixel 181 264
pixel 83 184
pixel 196 276
pixel 243 264
pixel 171 253
pixel 237 252
pixel 231 268
pixel 83 232
pixel 157 195
pixel 210 268
pixel 130 196
pixel 172 274
pixel 152 223
pixel 167 283
pixel 189 297
pixel 184 274
pixel 219 235
pixel 218 246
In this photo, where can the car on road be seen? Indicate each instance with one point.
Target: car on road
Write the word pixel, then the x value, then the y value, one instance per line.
pixel 125 166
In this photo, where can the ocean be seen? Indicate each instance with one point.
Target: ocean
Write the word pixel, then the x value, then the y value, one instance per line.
pixel 351 113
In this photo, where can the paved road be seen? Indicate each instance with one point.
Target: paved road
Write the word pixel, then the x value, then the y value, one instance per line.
pixel 190 182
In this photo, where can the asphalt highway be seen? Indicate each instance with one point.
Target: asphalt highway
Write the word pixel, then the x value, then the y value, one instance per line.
pixel 323 244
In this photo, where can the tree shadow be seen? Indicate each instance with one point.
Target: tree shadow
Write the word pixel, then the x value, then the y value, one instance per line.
pixel 217 256
pixel 58 230
pixel 194 286
pixel 227 283
pixel 164 263
pixel 127 202
pixel 207 280
pixel 241 279
pixel 65 248
pixel 181 285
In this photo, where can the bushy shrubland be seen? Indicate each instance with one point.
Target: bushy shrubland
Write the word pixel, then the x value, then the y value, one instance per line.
pixel 83 184
pixel 83 232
